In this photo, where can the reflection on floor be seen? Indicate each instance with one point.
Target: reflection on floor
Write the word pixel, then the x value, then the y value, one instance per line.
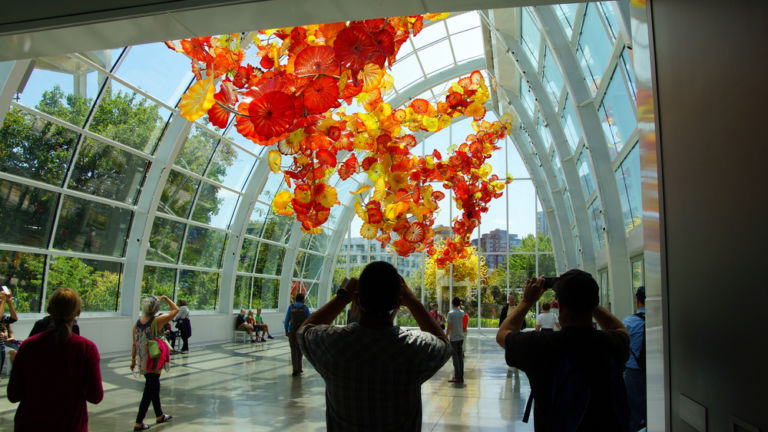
pixel 248 387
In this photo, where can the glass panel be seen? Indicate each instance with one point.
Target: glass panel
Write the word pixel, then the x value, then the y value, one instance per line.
pixel 558 169
pixel 465 21
pixel 265 293
pixel 617 114
pixel 553 80
pixel 242 293
pixel 34 148
pixel 129 118
pixel 605 292
pixel 405 72
pixel 594 48
pixel 311 298
pixel 204 247
pixel 199 289
pixel 26 214
pixel 22 273
pixel 157 70
pixel 215 205
pixel 576 245
pixel 585 173
pixel 610 17
pixel 531 37
pixel 307 266
pixel 271 187
pixel 436 57
pixel 277 228
pixel 630 192
pixel 527 95
pixel 544 131
pixel 570 124
pixel 165 240
pixel 638 279
pixel 431 33
pixel 108 172
pixel 248 255
pixel 468 45
pixel 197 150
pixel 92 227
pixel 629 74
pixel 596 218
pixel 158 281
pixel 567 15
pixel 495 295
pixel 270 259
pixel 96 282
pixel 176 199
pixel 320 243
pixel 258 217
pixel 230 166
pixel 568 206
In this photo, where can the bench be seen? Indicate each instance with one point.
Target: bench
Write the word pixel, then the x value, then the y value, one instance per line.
pixel 240 334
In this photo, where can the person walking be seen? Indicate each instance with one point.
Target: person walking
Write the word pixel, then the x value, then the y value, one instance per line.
pixel 294 318
pixel 455 332
pixel 148 327
pixel 634 373
pixel 184 325
pixel 56 372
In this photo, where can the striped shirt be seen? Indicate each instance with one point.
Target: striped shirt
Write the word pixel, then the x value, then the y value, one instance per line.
pixel 373 377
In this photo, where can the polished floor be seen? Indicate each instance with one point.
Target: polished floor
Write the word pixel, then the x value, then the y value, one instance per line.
pixel 248 387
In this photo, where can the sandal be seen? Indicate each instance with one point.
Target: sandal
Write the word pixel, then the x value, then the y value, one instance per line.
pixel 166 418
pixel 143 426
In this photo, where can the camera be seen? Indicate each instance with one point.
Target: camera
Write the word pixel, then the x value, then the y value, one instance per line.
pixel 550 281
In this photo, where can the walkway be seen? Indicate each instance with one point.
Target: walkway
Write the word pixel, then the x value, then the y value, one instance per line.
pixel 244 387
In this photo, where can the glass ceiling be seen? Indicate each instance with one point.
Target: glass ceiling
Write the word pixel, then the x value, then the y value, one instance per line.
pixel 106 189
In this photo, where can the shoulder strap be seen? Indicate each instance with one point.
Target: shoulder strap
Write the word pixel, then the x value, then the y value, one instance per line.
pixel 640 315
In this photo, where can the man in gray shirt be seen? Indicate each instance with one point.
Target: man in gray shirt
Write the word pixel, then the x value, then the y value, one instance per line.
pixel 455 332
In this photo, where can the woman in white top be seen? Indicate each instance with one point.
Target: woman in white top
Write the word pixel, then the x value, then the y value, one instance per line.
pixel 546 321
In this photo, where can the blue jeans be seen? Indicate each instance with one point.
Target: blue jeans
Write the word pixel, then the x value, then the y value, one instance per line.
pixel 634 380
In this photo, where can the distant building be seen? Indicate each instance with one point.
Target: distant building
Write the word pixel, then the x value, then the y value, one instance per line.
pixel 498 242
pixel 360 251
pixel 541 224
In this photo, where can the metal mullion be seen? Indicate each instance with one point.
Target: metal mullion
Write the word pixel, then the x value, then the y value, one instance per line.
pixel 311 252
pixel 161 264
pixel 626 148
pixel 197 268
pixel 81 131
pixel 204 179
pixel 450 43
pixel 125 83
pixel 45 186
pixel 613 62
pixel 120 60
pixel 54 252
pixel 191 222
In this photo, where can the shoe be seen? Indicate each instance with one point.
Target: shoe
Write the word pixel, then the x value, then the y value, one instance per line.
pixel 253 340
pixel 262 340
pixel 454 380
pixel 270 337
pixel 184 352
pixel 295 373
pixel 165 419
pixel 143 426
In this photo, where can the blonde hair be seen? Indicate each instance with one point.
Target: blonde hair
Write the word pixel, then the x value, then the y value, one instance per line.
pixel 64 306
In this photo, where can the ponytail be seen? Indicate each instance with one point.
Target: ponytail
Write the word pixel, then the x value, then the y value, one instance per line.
pixel 64 306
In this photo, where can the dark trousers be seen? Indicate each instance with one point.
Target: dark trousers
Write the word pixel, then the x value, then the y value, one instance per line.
pixel 634 380
pixel 295 352
pixel 151 394
pixel 458 359
pixel 185 344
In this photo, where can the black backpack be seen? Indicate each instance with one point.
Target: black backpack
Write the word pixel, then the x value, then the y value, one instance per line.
pixel 640 359
pixel 298 315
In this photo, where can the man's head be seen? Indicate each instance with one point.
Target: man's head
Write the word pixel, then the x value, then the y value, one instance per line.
pixel 258 311
pixel 242 312
pixel 545 306
pixel 640 296
pixel 577 295
pixel 299 298
pixel 456 302
pixel 378 292
pixel 434 307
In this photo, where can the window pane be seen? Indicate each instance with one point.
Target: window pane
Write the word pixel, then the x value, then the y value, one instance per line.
pixel 277 228
pixel 531 37
pixel 567 15
pixel 596 219
pixel 176 199
pixel 108 172
pixel 594 48
pixel 436 57
pixel 630 191
pixel 165 240
pixel 270 260
pixel 258 217
pixel 617 114
pixel 527 95
pixel 204 247
pixel 568 206
pixel 22 273
pixel 557 167
pixel 158 281
pixel 157 70
pixel 242 293
pixel 431 33
pixel 34 148
pixel 199 289
pixel 610 18
pixel 215 205
pixel 468 45
pixel 265 293
pixel 307 266
pixel 197 150
pixel 570 124
pixel 26 214
pixel 553 80
pixel 585 173
pixel 271 187
pixel 92 227
pixel 248 255
pixel 129 118
pixel 230 166
pixel 96 282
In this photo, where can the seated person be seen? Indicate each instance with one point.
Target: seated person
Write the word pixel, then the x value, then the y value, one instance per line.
pixel 256 327
pixel 10 343
pixel 242 325
pixel 171 336
pixel 264 326
pixel 6 297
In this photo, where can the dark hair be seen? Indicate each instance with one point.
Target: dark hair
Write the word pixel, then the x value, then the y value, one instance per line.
pixel 64 306
pixel 182 302
pixel 456 301
pixel 546 306
pixel 640 294
pixel 299 298
pixel 577 293
pixel 378 289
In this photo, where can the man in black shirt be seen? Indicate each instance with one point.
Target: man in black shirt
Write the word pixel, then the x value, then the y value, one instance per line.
pixel 575 373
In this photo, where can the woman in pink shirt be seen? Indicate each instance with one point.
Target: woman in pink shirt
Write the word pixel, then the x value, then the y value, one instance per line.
pixel 53 397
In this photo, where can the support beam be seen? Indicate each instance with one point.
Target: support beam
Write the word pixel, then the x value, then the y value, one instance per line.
pixel 291 253
pixel 619 274
pixel 12 73
pixel 438 78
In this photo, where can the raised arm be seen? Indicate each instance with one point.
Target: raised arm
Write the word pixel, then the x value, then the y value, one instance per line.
pixel 163 319
pixel 419 312
pixel 332 309
pixel 607 321
pixel 534 288
pixel 9 300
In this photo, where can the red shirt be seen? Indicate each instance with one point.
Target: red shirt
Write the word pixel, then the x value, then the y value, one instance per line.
pixel 52 381
pixel 464 322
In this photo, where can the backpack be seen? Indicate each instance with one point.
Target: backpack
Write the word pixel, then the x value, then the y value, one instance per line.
pixel 298 315
pixel 572 395
pixel 640 359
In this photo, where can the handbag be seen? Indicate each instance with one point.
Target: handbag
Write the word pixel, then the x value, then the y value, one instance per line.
pixel 154 343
